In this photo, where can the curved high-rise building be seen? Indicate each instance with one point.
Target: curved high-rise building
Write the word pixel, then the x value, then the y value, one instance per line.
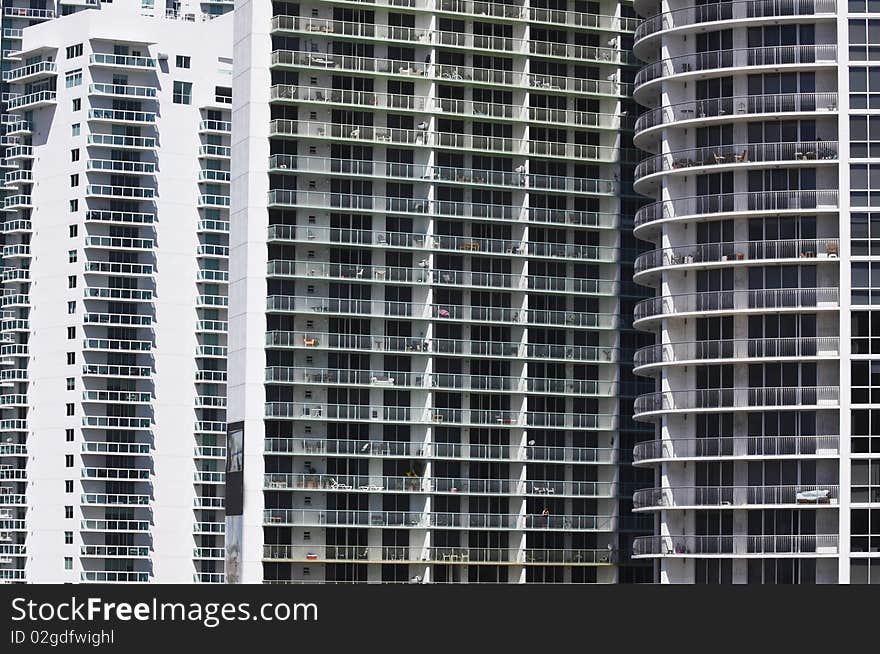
pixel 747 129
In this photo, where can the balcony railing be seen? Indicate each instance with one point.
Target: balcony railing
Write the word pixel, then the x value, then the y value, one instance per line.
pixel 807 495
pixel 446 346
pixel 419 520
pixel 779 55
pixel 737 106
pixel 737 398
pixel 743 153
pixel 743 348
pixel 737 251
pixel 761 201
pixel 737 300
pixel 736 545
pixel 736 446
pixel 736 10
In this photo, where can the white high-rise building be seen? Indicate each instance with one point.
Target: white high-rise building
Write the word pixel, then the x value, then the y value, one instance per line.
pixel 758 122
pixel 112 388
pixel 429 229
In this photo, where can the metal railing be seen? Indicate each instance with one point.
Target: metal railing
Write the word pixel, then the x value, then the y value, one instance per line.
pixel 741 348
pixel 810 495
pixel 717 398
pixel 729 446
pixel 737 251
pixel 736 300
pixel 737 105
pixel 739 544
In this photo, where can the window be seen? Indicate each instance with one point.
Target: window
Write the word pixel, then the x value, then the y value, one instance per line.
pixel 74 154
pixel 865 383
pixel 71 281
pixel 863 191
pixel 68 512
pixel 71 306
pixel 73 78
pixel 71 333
pixel 68 435
pixel 182 93
pixel 182 61
pixel 68 563
pixel 68 460
pixel 864 87
pixel 71 383
pixel 68 538
pixel 71 358
pixel 74 129
pixel 863 35
pixel 74 180
pixel 77 104
pixel 223 94
pixel 72 231
pixel 74 206
pixel 70 408
pixel 73 51
pixel 865 480
pixel 68 485
pixel 71 256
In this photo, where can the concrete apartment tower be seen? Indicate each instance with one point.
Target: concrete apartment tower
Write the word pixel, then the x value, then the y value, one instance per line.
pixel 430 207
pixel 112 412
pixel 758 124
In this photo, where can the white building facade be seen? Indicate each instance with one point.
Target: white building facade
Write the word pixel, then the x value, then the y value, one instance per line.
pixel 425 290
pixel 114 298
pixel 758 122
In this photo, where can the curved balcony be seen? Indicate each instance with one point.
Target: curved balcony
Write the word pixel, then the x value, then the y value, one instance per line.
pixel 695 497
pixel 650 359
pixel 740 107
pixel 742 205
pixel 736 447
pixel 704 64
pixel 764 546
pixel 701 400
pixel 733 301
pixel 649 265
pixel 744 155
pixel 731 14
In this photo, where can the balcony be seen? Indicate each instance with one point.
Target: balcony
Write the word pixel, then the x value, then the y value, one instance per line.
pixel 31 101
pixel 734 204
pixel 743 155
pixel 729 12
pixel 27 12
pixel 111 268
pixel 651 359
pixel 115 448
pixel 118 294
pixel 445 346
pixel 419 520
pixel 92 370
pixel 120 116
pixel 702 255
pixel 111 577
pixel 315 61
pixel 120 217
pixel 739 107
pixel 764 546
pixel 117 319
pixel 127 142
pixel 116 422
pixel 121 61
pixel 30 72
pixel 117 397
pixel 772 57
pixel 727 447
pixel 114 552
pixel 136 526
pixel 798 496
pixel 767 300
pixel 445 312
pixel 104 499
pixel 120 243
pixel 117 345
pixel 131 474
pixel 648 406
pixel 124 90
